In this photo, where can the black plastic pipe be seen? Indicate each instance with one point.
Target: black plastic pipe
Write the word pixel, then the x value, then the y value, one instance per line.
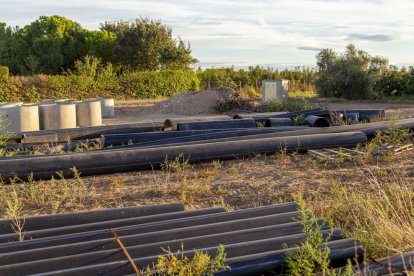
pixel 369 129
pixel 171 124
pixel 230 135
pixel 237 248
pixel 63 135
pixel 277 122
pixel 152 237
pixel 280 237
pixel 122 267
pixel 76 218
pixel 100 162
pixel 135 138
pixel 264 263
pixel 241 123
pixel 305 113
pixel 316 121
pixel 287 213
pixel 92 226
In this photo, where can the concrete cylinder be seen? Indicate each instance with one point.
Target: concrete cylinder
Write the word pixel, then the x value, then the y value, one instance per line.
pixel 19 118
pixel 67 115
pixel 29 117
pixel 107 106
pixel 7 115
pixel 88 113
pixel 48 116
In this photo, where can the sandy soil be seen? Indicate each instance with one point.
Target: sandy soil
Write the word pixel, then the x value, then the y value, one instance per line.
pixel 136 111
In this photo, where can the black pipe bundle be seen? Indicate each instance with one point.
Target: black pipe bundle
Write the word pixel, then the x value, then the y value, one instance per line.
pixel 255 240
pixel 368 129
pixel 229 135
pixel 135 138
pixel 64 135
pixel 109 161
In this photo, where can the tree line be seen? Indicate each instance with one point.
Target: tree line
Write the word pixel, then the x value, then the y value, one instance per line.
pixel 55 45
pixel 52 44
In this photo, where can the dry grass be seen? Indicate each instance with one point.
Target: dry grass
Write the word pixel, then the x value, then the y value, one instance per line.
pixel 374 198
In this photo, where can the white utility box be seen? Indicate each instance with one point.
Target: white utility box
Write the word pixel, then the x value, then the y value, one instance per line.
pixel 275 90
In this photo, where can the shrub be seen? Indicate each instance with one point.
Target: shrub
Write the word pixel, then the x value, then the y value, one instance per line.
pixel 101 83
pixel 352 74
pixel 4 72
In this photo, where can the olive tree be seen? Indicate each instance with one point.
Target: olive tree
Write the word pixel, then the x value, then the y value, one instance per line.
pixel 351 75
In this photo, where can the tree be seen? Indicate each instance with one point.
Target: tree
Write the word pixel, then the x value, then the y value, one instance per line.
pixel 50 44
pixel 145 44
pixel 352 74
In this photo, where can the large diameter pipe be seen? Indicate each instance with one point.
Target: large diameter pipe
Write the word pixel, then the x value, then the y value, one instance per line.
pixel 73 229
pixel 286 213
pixel 171 124
pixel 276 122
pixel 124 139
pixel 67 219
pixel 66 115
pixel 48 115
pixel 89 113
pixel 107 106
pixel 241 123
pixel 99 162
pixel 316 121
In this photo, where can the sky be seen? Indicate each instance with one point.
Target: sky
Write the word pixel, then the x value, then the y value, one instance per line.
pixel 275 33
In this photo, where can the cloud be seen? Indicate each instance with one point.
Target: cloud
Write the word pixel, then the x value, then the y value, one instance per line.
pixel 375 37
pixel 252 31
pixel 309 48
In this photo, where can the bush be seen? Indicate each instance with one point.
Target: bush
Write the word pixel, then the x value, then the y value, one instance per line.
pixel 133 85
pixel 351 75
pixel 4 72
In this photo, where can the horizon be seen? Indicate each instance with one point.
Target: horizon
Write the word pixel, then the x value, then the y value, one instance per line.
pixel 267 33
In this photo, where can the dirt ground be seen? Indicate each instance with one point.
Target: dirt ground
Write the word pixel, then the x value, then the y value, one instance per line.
pixel 240 183
pixel 134 111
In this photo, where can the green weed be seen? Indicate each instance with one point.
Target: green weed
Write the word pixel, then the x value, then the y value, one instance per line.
pixel 309 258
pixel 181 265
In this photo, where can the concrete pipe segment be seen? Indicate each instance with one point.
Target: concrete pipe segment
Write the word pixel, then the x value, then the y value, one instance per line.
pixel 88 113
pixel 48 116
pixel 20 118
pixel 107 106
pixel 66 115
